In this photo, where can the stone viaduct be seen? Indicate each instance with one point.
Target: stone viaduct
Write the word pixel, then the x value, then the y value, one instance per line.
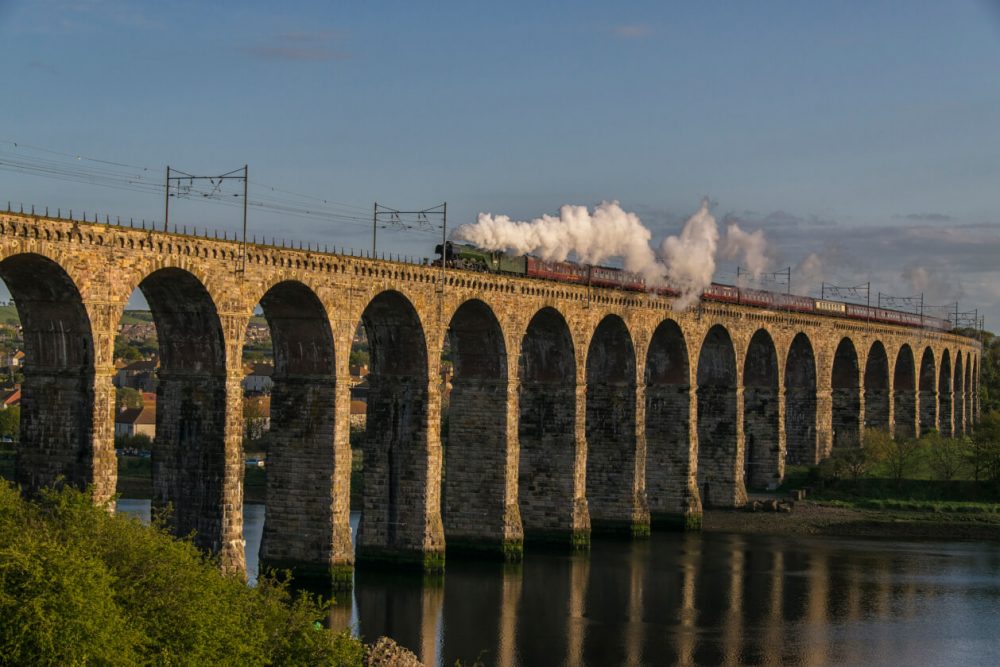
pixel 572 409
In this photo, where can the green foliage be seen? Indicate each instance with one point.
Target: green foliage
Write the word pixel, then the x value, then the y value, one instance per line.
pixel 989 374
pixel 896 457
pixel 847 463
pixel 983 453
pixel 78 585
pixel 359 356
pixel 945 456
pixel 126 397
pixel 10 421
pixel 137 441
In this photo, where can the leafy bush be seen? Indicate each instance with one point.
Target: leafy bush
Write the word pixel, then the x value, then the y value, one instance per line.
pixel 78 585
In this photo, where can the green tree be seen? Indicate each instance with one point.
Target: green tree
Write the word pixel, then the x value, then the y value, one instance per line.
pixel 897 456
pixel 983 450
pixel 10 422
pixel 81 586
pixel 126 397
pixel 945 456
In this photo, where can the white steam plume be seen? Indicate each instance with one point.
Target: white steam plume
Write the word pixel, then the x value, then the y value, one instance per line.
pixel 751 246
pixel 686 262
pixel 593 237
pixel 690 257
pixel 807 275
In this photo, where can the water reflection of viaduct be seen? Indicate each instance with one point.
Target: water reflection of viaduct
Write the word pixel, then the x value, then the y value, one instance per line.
pixel 570 408
pixel 708 599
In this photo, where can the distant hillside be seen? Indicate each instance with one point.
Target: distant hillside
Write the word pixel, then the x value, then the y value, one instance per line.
pixel 136 316
pixel 8 315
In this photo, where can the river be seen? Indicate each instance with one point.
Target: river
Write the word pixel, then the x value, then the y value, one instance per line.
pixel 696 598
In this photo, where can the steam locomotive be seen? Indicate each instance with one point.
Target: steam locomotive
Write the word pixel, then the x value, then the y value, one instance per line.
pixel 471 258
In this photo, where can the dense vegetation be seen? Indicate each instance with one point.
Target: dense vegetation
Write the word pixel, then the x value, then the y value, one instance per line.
pixel 78 585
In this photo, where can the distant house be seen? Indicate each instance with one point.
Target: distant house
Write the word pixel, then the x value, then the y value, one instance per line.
pixel 15 360
pixel 359 414
pixel 257 412
pixel 259 380
pixel 135 421
pixel 139 375
pixel 359 391
pixel 10 398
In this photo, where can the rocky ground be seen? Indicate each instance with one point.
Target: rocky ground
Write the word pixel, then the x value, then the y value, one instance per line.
pixel 811 518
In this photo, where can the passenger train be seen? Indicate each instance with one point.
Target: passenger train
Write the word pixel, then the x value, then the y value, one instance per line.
pixel 461 256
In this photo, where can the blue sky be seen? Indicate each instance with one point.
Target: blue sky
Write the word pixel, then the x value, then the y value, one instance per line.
pixel 864 132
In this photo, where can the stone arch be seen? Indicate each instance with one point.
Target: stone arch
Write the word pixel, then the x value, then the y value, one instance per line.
pixel 877 388
pixel 945 398
pixel 398 520
pixel 719 466
pixel 306 524
pixel 846 396
pixel 552 508
pixel 800 403
pixel 668 427
pixel 904 394
pixel 196 465
pixel 928 392
pixel 958 395
pixel 615 493
pixel 763 464
pixel 969 400
pixel 61 413
pixel 480 514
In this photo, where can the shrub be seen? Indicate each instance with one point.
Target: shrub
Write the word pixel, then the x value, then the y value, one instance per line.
pixel 79 585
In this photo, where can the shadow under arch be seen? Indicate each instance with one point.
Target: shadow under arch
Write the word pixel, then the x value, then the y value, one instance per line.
pixel 719 468
pixel 763 463
pixel 197 464
pixel 615 493
pixel 672 495
pixel 398 522
pixel 928 397
pixel 800 403
pixel 877 388
pixel 904 394
pixel 479 504
pixel 552 508
pixel 958 396
pixel 59 436
pixel 945 398
pixel 306 523
pixel 845 396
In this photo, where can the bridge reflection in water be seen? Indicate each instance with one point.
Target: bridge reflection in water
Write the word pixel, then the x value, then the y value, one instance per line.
pixel 692 599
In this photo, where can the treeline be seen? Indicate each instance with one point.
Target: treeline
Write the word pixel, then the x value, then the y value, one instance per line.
pixel 81 586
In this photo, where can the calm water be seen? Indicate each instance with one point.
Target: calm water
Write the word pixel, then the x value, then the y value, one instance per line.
pixel 692 599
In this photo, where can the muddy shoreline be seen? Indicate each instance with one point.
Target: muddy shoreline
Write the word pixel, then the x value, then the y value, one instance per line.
pixel 809 518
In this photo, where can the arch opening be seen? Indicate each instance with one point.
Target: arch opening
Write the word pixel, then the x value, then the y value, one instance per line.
pixel 904 394
pixel 945 399
pixel 306 524
pixel 551 508
pixel 668 427
pixel 763 460
pixel 800 403
pixel 720 478
pixel 479 513
pixel 613 487
pixel 846 396
pixel 193 472
pixel 958 396
pixel 928 397
pixel 397 523
pixel 877 388
pixel 61 401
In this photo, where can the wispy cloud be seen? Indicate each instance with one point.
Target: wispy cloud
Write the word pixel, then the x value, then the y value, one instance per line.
pixel 299 46
pixel 924 217
pixel 632 31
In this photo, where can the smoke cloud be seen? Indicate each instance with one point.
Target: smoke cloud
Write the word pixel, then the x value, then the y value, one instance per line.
pixel 689 258
pixel 685 262
pixel 751 247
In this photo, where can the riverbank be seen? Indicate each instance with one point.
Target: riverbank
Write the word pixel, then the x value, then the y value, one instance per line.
pixel 839 519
